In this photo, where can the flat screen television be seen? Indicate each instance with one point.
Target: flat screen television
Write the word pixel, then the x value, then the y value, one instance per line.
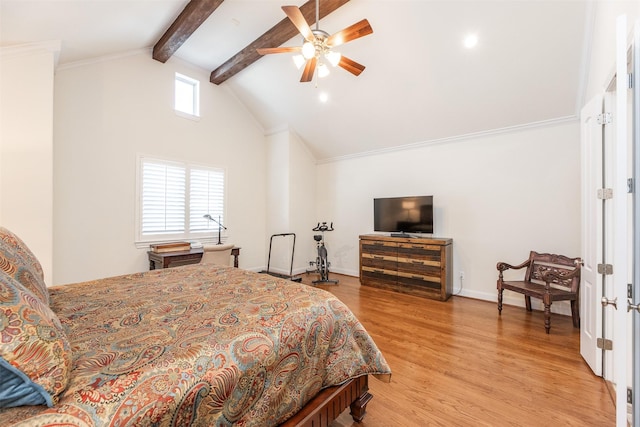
pixel 412 214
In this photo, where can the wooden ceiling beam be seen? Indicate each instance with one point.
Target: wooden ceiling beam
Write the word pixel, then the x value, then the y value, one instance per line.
pixel 276 36
pixel 191 17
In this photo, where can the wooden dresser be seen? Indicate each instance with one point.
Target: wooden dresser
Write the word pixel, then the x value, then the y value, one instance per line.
pixel 417 266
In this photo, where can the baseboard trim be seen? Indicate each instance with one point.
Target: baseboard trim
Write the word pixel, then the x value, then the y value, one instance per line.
pixel 559 307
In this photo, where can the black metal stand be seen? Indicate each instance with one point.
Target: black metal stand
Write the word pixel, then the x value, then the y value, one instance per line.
pixel 293 249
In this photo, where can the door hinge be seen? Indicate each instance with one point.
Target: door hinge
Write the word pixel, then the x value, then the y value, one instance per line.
pixel 605 193
pixel 605 269
pixel 604 118
pixel 604 344
pixel 629 396
pixel 630 80
pixel 630 291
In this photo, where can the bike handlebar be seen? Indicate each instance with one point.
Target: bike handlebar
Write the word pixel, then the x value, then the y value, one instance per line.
pixel 323 227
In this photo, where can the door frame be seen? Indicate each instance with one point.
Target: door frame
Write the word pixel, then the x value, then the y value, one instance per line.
pixel 635 292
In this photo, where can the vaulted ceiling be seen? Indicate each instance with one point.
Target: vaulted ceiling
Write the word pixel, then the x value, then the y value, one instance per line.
pixel 420 83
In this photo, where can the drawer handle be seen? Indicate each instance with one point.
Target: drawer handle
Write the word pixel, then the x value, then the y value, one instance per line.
pixel 378 243
pixel 379 271
pixel 378 257
pixel 417 262
pixel 417 277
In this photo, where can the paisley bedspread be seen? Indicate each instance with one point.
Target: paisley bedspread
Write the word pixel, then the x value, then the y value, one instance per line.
pixel 200 345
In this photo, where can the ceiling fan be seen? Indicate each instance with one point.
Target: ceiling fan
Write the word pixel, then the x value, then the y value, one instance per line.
pixel 318 45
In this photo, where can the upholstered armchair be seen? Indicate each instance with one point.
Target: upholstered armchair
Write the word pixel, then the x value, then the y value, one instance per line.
pixel 217 254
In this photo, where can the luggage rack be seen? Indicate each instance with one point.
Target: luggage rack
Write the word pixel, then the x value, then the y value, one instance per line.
pixel 293 248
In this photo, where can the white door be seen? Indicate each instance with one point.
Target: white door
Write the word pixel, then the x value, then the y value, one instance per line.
pixel 621 241
pixel 591 119
pixel 606 228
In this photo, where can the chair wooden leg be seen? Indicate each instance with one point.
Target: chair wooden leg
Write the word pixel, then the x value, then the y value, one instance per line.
pixel 527 302
pixel 500 301
pixel 547 312
pixel 575 313
pixel 547 317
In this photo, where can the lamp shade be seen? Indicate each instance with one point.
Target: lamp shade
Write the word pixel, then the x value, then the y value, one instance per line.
pixel 308 50
pixel 299 61
pixel 323 70
pixel 333 57
pixel 408 204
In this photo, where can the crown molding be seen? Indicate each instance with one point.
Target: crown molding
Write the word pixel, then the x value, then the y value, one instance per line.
pixel 104 58
pixel 453 139
pixel 278 129
pixel 15 51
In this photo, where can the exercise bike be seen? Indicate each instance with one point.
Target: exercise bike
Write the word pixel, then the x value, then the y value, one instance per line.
pixel 321 262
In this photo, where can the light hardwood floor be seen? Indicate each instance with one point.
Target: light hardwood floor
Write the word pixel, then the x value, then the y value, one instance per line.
pixel 457 363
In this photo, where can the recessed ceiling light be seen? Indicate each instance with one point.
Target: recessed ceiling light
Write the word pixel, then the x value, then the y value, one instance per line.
pixel 470 41
pixel 323 97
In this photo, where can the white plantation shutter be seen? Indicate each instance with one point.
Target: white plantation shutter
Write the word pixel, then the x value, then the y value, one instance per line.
pixel 174 197
pixel 163 198
pixel 206 196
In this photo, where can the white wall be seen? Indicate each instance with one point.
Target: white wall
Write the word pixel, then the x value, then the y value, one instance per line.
pixel 497 196
pixel 106 113
pixel 303 191
pixel 26 146
pixel 278 183
pixel 291 202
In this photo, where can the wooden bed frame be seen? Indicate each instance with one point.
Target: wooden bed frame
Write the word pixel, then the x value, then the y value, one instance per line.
pixel 331 402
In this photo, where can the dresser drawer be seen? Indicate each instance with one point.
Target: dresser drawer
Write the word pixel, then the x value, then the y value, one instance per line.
pixel 380 262
pixel 373 276
pixel 379 248
pixel 420 252
pixel 420 267
pixel 419 279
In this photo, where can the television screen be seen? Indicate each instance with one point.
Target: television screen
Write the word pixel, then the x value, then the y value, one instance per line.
pixel 403 214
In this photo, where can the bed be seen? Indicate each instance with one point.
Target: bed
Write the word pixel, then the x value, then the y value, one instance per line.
pixel 194 345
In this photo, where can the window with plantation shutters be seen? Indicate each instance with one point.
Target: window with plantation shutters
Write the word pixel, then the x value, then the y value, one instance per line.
pixel 206 195
pixel 174 197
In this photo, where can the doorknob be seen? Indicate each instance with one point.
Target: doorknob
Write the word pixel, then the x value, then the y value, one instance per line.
pixel 631 306
pixel 605 302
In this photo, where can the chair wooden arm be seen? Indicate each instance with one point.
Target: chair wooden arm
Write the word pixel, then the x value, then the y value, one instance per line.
pixel 502 266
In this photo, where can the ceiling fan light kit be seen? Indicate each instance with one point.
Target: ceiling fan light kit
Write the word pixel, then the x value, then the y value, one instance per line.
pixel 308 50
pixel 299 60
pixel 323 70
pixel 318 44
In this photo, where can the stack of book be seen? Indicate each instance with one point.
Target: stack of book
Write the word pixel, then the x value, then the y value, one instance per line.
pixel 171 247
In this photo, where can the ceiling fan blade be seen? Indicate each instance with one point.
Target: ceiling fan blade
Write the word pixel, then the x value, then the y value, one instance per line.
pixel 268 50
pixel 297 18
pixel 309 69
pixel 355 31
pixel 351 66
